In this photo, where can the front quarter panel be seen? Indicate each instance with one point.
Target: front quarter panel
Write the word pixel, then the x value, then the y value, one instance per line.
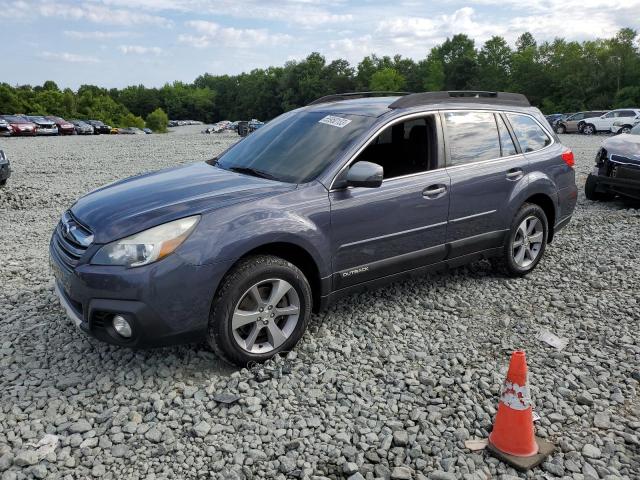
pixel 300 217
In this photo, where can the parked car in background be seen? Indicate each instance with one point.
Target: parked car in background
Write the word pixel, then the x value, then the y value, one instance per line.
pixel 130 131
pixel 553 118
pixel 617 170
pixel 605 122
pixel 147 131
pixel 5 128
pixel 574 123
pixel 5 169
pixel 64 127
pixel 624 125
pixel 336 197
pixel 20 126
pixel 99 127
pixel 82 127
pixel 43 126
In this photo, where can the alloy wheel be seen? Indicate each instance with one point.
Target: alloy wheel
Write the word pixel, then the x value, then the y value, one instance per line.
pixel 527 242
pixel 266 316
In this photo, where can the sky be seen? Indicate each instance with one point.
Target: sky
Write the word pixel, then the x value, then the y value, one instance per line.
pixel 115 43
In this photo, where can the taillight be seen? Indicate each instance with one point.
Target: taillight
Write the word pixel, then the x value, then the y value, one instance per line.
pixel 568 158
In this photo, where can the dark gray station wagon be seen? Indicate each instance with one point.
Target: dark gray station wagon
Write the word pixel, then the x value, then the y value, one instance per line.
pixel 344 194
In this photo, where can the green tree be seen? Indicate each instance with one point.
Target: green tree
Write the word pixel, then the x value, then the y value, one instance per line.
pixel 131 120
pixel 387 79
pixel 494 65
pixel 158 121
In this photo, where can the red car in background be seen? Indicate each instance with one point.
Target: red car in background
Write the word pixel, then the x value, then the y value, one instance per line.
pixel 64 127
pixel 20 126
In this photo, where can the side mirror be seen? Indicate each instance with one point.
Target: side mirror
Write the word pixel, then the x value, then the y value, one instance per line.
pixel 365 174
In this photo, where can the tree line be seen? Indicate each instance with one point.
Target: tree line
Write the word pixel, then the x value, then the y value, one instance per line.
pixel 556 76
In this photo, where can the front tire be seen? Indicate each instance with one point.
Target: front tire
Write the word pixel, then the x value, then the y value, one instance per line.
pixel 261 309
pixel 588 129
pixel 561 129
pixel 526 242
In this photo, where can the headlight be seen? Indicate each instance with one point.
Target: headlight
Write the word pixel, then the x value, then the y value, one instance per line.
pixel 148 246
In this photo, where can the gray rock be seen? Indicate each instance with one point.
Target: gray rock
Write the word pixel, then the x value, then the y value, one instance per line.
pixel 584 398
pixel 349 468
pixel 591 451
pixel 81 426
pixel 401 473
pixel 25 458
pixel 400 438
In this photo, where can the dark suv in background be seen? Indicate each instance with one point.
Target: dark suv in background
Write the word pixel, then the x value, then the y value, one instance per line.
pixel 339 196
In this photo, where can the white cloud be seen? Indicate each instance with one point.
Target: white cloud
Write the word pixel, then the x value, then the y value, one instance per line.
pixel 305 13
pixel 96 35
pixel 211 33
pixel 68 57
pixel 98 14
pixel 139 50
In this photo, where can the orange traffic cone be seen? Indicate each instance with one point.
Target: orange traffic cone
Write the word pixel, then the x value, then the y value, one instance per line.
pixel 512 438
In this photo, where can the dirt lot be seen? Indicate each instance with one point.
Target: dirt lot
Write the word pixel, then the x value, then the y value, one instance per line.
pixel 386 384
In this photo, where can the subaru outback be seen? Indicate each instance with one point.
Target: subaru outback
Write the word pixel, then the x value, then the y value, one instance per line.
pixel 342 195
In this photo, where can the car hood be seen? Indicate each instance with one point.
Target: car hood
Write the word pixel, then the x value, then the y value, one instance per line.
pixel 625 145
pixel 137 203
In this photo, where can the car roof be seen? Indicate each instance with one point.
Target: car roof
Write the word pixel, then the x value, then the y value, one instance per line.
pixel 377 106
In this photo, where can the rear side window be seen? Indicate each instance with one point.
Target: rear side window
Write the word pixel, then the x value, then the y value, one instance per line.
pixel 473 137
pixel 530 135
pixel 626 113
pixel 506 142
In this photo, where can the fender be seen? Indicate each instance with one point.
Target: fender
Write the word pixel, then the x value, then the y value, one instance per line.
pixel 300 217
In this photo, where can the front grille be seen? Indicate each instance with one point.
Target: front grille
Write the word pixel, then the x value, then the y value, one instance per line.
pixel 71 240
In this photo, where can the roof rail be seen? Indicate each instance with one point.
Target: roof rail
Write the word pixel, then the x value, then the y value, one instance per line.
pixel 461 96
pixel 336 97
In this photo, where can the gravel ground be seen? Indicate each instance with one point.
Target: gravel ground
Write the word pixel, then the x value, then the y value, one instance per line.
pixel 386 384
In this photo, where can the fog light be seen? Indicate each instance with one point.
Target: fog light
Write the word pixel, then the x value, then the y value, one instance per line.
pixel 121 326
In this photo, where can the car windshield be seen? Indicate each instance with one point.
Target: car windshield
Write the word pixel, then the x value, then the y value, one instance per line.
pixel 16 119
pixel 635 130
pixel 296 146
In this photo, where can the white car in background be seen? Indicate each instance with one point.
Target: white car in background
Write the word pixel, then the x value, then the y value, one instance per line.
pixel 604 123
pixel 624 125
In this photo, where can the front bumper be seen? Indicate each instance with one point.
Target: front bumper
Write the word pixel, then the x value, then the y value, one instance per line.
pixel 627 187
pixel 47 131
pixel 166 303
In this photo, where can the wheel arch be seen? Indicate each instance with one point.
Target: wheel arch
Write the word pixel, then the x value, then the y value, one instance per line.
pixel 547 204
pixel 298 256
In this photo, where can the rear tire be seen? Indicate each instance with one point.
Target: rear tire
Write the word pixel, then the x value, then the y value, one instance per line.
pixel 590 191
pixel 261 309
pixel 526 242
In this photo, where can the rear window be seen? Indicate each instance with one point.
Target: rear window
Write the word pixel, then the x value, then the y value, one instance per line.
pixel 530 135
pixel 473 137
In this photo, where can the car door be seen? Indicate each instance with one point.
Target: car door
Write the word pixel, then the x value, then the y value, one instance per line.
pixel 485 168
pixel 400 225
pixel 605 122
pixel 572 122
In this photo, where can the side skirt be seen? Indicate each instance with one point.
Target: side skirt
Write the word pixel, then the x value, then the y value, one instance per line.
pixel 376 283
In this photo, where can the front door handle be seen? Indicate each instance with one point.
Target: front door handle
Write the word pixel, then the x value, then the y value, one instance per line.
pixel 433 191
pixel 515 174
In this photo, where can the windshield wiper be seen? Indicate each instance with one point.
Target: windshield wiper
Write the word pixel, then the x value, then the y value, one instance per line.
pixel 253 171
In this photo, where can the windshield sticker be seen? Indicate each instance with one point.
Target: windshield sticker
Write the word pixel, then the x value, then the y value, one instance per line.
pixel 335 121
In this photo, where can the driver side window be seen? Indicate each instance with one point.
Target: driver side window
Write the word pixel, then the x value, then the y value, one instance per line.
pixel 404 148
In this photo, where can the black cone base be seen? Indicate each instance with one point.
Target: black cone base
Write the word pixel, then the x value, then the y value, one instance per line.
pixel 524 463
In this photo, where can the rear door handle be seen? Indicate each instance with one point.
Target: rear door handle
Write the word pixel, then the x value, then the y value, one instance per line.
pixel 433 191
pixel 515 174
